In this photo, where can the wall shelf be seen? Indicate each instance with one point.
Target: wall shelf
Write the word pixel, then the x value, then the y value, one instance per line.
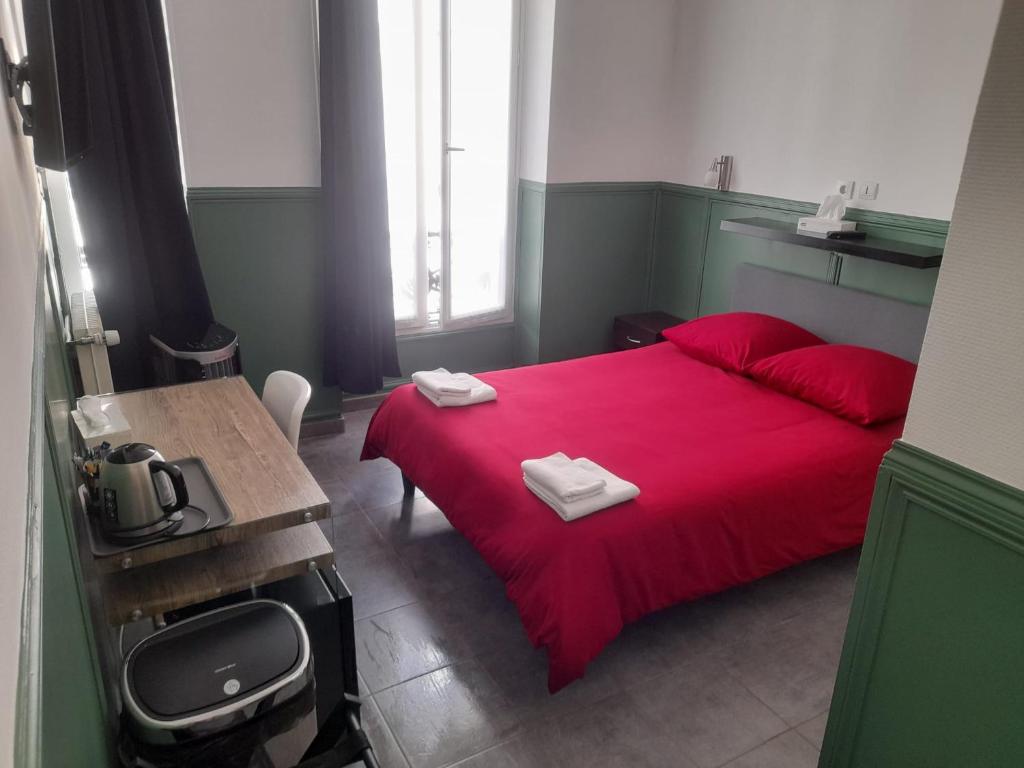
pixel 892 251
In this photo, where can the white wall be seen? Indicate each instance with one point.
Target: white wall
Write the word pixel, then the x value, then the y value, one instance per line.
pixel 968 402
pixel 245 84
pixel 637 91
pixel 610 82
pixel 20 246
pixel 801 92
pixel 806 92
pixel 537 30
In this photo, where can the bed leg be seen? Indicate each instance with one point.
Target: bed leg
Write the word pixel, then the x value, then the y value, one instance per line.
pixel 408 486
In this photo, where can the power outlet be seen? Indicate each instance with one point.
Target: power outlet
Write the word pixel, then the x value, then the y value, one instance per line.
pixel 868 190
pixel 845 188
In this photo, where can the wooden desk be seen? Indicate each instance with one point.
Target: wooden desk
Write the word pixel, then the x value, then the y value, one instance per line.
pixel 273 499
pixel 262 478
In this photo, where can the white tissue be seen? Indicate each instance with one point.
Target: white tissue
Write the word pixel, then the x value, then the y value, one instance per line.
pixel 833 208
pixel 91 408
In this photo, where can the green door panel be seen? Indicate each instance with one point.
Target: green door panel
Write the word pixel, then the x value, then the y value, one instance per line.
pixel 932 672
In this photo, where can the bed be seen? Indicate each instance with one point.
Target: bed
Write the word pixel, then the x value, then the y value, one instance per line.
pixel 737 480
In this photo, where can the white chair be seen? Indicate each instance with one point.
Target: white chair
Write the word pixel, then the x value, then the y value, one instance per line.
pixel 285 396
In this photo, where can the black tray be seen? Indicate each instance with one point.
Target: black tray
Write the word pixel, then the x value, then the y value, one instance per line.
pixel 203 494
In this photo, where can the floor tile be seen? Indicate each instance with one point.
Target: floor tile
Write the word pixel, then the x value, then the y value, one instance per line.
pixel 402 644
pixel 376 483
pixel 814 729
pixel 410 521
pixel 655 645
pixel 351 533
pixel 712 715
pixel 378 580
pixel 792 667
pixel 482 616
pixel 521 672
pixel 447 715
pixel 515 753
pixel 789 750
pixel 446 564
pixel 341 498
pixel 749 610
pixel 385 748
pixel 609 734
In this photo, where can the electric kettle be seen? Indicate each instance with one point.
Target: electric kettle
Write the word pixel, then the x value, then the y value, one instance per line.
pixel 140 493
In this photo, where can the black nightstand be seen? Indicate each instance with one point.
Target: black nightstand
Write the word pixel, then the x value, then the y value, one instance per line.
pixel 642 329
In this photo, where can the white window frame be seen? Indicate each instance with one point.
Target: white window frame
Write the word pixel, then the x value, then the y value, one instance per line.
pixel 420 324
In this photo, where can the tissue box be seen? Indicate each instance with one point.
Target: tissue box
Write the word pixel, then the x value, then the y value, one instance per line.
pixel 815 226
pixel 116 431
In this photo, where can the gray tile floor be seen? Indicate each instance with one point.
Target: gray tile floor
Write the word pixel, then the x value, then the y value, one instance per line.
pixel 741 679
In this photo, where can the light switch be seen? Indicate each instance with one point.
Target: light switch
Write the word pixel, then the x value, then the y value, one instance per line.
pixel 868 190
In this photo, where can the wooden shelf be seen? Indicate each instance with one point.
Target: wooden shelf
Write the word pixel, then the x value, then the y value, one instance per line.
pixel 190 579
pixel 892 251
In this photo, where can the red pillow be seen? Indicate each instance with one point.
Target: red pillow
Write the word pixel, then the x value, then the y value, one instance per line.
pixel 860 384
pixel 736 340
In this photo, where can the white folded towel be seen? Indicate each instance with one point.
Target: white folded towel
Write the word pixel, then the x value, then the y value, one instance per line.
pixel 481 393
pixel 616 491
pixel 562 478
pixel 441 382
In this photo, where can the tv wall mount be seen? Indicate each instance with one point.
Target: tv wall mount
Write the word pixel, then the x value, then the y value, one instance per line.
pixel 16 77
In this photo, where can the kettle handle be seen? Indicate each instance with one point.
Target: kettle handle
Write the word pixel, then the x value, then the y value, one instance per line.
pixel 177 481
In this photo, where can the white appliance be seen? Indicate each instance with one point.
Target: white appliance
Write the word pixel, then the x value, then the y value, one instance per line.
pixel 91 343
pixel 815 225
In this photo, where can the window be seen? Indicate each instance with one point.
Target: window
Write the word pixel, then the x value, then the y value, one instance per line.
pixel 448 69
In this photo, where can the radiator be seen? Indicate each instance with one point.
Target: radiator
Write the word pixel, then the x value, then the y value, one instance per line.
pixel 91 343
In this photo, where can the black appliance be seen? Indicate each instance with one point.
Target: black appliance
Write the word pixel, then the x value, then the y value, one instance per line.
pixel 213 689
pixel 179 357
pixel 56 116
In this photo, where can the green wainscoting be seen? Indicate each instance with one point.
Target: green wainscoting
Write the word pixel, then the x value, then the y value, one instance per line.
pixel 609 248
pixel 678 263
pixel 483 348
pixel 932 666
pixel 598 247
pixel 529 271
pixel 585 253
pixel 260 255
pixel 74 719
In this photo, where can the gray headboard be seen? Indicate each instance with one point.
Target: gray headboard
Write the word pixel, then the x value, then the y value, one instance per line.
pixel 837 314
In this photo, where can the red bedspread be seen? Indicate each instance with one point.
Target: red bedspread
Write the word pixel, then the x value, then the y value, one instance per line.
pixel 736 481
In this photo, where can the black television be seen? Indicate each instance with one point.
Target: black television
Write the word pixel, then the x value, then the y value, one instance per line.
pixel 54 106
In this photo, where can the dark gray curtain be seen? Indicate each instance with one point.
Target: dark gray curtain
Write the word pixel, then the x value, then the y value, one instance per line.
pixel 128 189
pixel 359 315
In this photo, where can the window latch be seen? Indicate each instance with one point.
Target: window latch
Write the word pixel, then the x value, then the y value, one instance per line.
pixel 450 148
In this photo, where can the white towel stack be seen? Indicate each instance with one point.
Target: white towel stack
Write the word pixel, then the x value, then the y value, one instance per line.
pixel 446 390
pixel 575 488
